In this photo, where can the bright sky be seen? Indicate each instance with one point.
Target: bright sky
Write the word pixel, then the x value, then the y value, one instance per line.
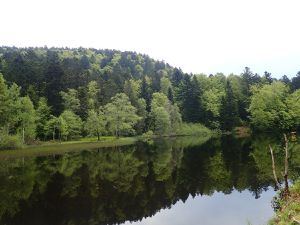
pixel 206 36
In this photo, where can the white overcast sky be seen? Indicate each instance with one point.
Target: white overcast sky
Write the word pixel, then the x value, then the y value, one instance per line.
pixel 198 36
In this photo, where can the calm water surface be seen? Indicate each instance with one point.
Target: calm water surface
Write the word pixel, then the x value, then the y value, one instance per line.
pixel 175 181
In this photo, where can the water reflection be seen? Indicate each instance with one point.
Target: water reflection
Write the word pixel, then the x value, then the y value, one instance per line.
pixel 115 185
pixel 238 208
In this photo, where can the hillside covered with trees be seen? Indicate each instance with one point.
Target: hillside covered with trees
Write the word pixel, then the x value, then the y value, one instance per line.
pixel 62 93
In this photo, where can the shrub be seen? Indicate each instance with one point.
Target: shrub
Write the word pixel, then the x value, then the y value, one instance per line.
pixel 193 129
pixel 10 142
pixel 148 134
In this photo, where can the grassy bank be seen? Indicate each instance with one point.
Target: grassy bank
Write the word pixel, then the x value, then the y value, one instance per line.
pixel 57 147
pixel 289 212
pixel 46 148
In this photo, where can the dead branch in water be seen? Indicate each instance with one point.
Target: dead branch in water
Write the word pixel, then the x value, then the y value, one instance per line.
pixel 295 220
pixel 286 164
pixel 277 185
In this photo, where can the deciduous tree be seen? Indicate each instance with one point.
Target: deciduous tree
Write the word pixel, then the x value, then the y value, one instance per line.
pixel 121 115
pixel 95 123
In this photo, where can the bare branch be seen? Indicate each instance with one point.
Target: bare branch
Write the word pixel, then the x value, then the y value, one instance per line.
pixel 295 220
pixel 286 164
pixel 286 156
pixel 273 168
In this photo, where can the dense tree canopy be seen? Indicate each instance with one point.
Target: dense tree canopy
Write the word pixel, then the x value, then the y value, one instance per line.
pixel 61 85
pixel 273 106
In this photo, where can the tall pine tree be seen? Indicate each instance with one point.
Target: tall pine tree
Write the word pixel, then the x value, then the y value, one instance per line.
pixel 53 78
pixel 189 99
pixel 229 110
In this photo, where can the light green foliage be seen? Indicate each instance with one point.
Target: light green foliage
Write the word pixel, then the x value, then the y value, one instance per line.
pixel 148 134
pixel 268 107
pixel 116 58
pixel 165 84
pixel 293 104
pixel 213 89
pixel 220 79
pixel 132 90
pixel 56 126
pixel 47 72
pixel 236 85
pixel 70 100
pixel 141 109
pixel 27 120
pixel 193 129
pixel 3 101
pixel 32 94
pixel 217 81
pixel 139 70
pixel 107 69
pixel 52 73
pixel 93 90
pixel 10 141
pixel 165 116
pixel 142 113
pixel 162 122
pixel 160 100
pixel 17 115
pixel 51 127
pixel 175 118
pixel 73 124
pixel 163 162
pixel 13 105
pixel 121 115
pixel 64 128
pixel 262 158
pixel 212 101
pixel 95 123
pixel 220 174
pixel 42 117
pixel 203 81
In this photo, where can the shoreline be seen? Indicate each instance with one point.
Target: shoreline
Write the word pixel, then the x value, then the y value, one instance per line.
pixel 47 148
pixel 289 211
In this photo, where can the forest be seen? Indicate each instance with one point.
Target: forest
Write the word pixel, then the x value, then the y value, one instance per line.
pixel 63 93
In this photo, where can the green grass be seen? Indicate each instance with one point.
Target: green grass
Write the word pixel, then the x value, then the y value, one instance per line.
pixel 289 213
pixel 57 147
pixel 47 148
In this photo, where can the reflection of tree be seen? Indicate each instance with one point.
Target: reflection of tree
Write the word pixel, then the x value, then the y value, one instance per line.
pixel 17 179
pixel 262 158
pixel 112 185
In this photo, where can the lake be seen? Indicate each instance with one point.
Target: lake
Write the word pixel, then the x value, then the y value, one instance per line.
pixel 168 181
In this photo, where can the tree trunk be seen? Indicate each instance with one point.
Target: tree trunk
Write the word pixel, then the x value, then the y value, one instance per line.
pixel 286 165
pixel 117 133
pixel 98 136
pixel 274 169
pixel 23 135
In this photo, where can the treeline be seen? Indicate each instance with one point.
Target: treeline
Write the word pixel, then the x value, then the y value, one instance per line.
pixel 123 115
pixel 125 93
